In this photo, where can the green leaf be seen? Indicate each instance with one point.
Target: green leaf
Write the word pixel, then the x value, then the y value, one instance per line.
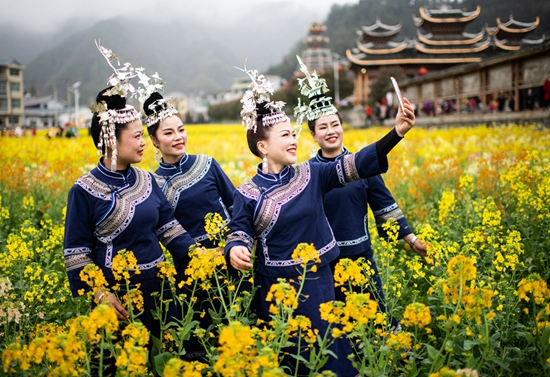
pixel 160 361
pixel 469 344
pixel 432 352
pixel 501 363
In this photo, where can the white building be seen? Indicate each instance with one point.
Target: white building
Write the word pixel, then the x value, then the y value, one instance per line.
pixel 43 112
pixel 242 84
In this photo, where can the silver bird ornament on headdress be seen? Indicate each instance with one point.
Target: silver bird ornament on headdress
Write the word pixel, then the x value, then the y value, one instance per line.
pixel 157 109
pixel 314 88
pixel 120 85
pixel 261 92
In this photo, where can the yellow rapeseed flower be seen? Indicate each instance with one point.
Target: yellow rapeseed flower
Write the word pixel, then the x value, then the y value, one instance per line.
pixel 533 287
pixel 305 253
pixel 283 295
pixel 93 276
pixel 124 263
pixel 447 205
pixel 417 314
pixel 203 265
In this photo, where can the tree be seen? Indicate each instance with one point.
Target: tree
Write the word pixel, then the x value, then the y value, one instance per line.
pixel 383 84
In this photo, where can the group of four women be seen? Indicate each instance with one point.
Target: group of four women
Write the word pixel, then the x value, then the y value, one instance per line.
pixel 117 206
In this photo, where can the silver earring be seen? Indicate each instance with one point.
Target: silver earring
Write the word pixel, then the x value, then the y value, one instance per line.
pixel 157 155
pixel 313 152
pixel 264 165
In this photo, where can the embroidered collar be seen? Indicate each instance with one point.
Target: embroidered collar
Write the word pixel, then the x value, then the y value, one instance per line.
pixel 319 157
pixel 281 177
pixel 119 175
pixel 177 166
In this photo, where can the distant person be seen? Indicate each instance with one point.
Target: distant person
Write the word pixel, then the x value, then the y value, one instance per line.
pixel 511 102
pixel 368 114
pixel 546 88
pixel 19 131
pixel 415 108
pixel 493 105
pixel 383 110
pixel 501 99
pixel 529 100
pixel 389 103
pixel 428 108
pixel 471 105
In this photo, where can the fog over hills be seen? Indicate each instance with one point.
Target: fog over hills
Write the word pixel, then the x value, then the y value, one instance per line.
pixel 191 51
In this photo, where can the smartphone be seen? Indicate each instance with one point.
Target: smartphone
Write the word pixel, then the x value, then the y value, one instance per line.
pixel 398 92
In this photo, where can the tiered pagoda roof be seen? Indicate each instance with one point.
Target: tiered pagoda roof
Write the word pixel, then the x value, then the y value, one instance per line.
pixel 317 56
pixel 511 34
pixel 376 39
pixel 445 21
pixel 442 40
pixel 378 33
pixel 316 39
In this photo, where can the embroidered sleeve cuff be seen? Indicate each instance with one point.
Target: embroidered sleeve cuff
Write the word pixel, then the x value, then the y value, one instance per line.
pixel 77 261
pixel 167 233
pixel 239 239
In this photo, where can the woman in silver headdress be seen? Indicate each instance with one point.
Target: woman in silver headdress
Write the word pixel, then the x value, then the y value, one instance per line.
pixel 195 186
pixel 347 207
pixel 117 207
pixel 282 206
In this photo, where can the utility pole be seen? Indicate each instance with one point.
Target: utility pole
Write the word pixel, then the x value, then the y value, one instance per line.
pixel 68 100
pixel 76 92
pixel 55 120
pixel 336 57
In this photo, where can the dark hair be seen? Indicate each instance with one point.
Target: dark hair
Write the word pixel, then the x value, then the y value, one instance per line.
pixel 114 101
pixel 152 128
pixel 262 133
pixel 311 123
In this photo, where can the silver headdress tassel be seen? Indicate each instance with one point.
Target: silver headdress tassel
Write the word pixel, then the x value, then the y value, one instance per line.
pixel 158 109
pixel 108 118
pixel 260 92
pixel 314 88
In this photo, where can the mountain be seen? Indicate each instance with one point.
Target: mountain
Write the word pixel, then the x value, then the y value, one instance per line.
pixel 191 56
pixel 12 42
pixel 190 62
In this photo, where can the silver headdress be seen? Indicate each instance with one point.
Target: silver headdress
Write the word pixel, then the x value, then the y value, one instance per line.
pixel 120 85
pixel 260 93
pixel 155 107
pixel 314 88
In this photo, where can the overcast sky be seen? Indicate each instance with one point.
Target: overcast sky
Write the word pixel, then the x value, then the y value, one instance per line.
pixel 47 15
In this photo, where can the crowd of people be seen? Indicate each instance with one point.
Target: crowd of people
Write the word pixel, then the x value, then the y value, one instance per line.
pixel 117 206
pixel 69 130
pixel 501 101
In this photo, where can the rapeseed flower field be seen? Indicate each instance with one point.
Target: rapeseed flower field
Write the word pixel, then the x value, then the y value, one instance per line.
pixel 479 305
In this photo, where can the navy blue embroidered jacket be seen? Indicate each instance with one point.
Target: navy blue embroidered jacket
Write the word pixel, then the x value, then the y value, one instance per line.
pixel 280 211
pixel 195 186
pixel 347 211
pixel 109 211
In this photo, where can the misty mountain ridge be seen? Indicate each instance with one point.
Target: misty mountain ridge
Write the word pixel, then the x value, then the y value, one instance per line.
pixel 189 56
